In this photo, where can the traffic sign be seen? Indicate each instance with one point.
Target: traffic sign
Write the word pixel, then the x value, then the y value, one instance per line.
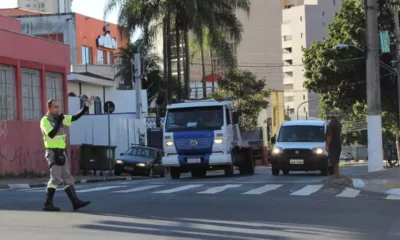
pixel 109 107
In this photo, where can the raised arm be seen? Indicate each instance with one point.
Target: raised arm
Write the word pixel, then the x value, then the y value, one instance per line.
pixel 81 112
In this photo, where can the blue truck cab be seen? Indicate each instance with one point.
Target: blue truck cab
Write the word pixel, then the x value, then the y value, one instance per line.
pixel 203 135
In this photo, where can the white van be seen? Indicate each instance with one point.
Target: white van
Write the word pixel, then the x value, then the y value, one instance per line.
pixel 300 146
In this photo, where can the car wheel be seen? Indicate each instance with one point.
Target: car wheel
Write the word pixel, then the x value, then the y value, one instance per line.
pixel 324 172
pixel 165 173
pixel 275 171
pixel 285 171
pixel 229 170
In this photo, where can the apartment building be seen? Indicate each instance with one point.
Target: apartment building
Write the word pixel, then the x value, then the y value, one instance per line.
pixel 303 21
pixel 50 6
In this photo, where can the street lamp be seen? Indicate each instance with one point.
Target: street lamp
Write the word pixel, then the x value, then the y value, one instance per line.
pixel 384 65
pixel 374 123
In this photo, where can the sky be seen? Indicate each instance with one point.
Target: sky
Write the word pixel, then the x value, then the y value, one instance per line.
pixel 91 8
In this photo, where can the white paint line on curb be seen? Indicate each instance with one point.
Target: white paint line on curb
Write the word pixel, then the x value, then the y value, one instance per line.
pixel 358 183
pixel 394 191
pixel 393 197
pixel 19 186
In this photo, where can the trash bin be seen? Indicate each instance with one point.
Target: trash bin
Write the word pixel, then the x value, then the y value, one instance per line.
pixel 95 158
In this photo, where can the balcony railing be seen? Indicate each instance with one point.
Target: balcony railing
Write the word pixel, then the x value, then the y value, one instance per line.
pixel 107 71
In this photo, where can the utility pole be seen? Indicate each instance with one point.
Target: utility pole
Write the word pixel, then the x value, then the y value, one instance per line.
pixel 397 29
pixel 138 85
pixel 375 151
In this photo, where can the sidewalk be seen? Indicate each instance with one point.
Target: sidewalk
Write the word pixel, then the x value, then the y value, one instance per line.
pixel 386 181
pixel 21 183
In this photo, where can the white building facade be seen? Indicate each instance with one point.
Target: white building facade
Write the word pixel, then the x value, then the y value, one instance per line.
pixel 50 6
pixel 303 21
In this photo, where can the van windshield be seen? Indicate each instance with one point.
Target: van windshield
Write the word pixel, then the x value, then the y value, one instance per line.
pixel 301 134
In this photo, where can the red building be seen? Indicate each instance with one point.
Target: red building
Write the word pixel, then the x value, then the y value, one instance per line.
pixel 32 70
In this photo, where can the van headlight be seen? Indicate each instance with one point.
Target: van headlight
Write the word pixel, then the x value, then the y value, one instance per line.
pixel 277 150
pixel 218 141
pixel 169 143
pixel 318 150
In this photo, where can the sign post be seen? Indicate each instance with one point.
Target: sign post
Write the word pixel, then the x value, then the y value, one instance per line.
pixel 109 108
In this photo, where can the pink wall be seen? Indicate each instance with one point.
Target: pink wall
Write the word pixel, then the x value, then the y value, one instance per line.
pixel 21 143
pixel 10 24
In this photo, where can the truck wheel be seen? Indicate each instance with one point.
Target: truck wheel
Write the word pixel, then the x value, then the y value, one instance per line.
pixel 251 165
pixel 175 173
pixel 275 171
pixel 229 170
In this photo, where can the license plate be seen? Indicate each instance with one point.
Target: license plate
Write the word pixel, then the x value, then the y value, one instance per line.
pixel 194 160
pixel 296 161
pixel 128 168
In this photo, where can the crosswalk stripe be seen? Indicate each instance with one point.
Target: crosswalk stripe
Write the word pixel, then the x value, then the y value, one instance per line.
pixel 220 188
pixel 307 190
pixel 349 193
pixel 97 189
pixel 394 191
pixel 178 189
pixel 137 189
pixel 393 197
pixel 264 189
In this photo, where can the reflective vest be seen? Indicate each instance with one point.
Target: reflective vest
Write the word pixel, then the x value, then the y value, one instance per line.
pixel 47 124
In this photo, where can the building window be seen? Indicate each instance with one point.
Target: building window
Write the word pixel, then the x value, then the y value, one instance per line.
pixel 54 88
pixel 100 57
pixel 8 110
pixel 86 55
pixel 323 13
pixel 301 35
pixel 304 97
pixel 323 24
pixel 42 5
pixel 71 94
pixel 334 2
pixel 304 109
pixel 109 60
pixel 291 111
pixel 97 105
pixel 287 38
pixel 31 103
pixel 323 38
pixel 288 87
pixel 301 18
pixel 289 99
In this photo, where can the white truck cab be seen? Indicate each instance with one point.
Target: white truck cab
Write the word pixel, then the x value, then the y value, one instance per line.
pixel 300 146
pixel 203 135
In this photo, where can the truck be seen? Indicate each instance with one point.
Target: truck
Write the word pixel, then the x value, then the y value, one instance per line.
pixel 204 135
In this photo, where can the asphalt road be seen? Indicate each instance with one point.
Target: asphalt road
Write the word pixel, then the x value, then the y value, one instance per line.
pixel 262 206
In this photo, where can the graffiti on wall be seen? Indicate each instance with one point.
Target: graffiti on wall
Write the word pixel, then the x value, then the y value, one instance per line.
pixel 3 129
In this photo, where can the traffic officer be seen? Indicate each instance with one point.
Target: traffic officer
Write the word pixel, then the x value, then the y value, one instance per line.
pixel 53 129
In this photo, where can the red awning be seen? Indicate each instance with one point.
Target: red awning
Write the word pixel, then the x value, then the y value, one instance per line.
pixel 217 77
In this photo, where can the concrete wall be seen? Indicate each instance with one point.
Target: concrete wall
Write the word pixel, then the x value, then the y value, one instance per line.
pixel 10 24
pixel 64 24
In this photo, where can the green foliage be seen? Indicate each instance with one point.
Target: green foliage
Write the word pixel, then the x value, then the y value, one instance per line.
pixel 247 94
pixel 339 74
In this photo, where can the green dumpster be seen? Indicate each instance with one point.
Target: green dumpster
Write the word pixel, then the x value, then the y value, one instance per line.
pixel 95 158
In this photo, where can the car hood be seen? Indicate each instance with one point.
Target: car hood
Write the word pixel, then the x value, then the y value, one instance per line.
pixel 299 145
pixel 134 159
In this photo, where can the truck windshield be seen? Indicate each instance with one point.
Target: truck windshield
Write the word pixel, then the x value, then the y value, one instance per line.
pixel 194 118
pixel 301 134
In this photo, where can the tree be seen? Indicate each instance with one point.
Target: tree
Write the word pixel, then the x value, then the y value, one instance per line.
pixel 247 94
pixel 151 73
pixel 339 76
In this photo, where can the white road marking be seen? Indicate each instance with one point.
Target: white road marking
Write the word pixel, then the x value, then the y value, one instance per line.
pixel 137 189
pixel 349 193
pixel 394 191
pixel 97 189
pixel 393 197
pixel 264 189
pixel 215 190
pixel 307 190
pixel 358 183
pixel 178 189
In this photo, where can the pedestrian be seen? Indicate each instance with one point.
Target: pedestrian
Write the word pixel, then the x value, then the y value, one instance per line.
pixel 333 141
pixel 53 126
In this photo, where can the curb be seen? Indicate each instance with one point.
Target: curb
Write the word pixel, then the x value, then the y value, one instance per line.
pixel 81 181
pixel 360 184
